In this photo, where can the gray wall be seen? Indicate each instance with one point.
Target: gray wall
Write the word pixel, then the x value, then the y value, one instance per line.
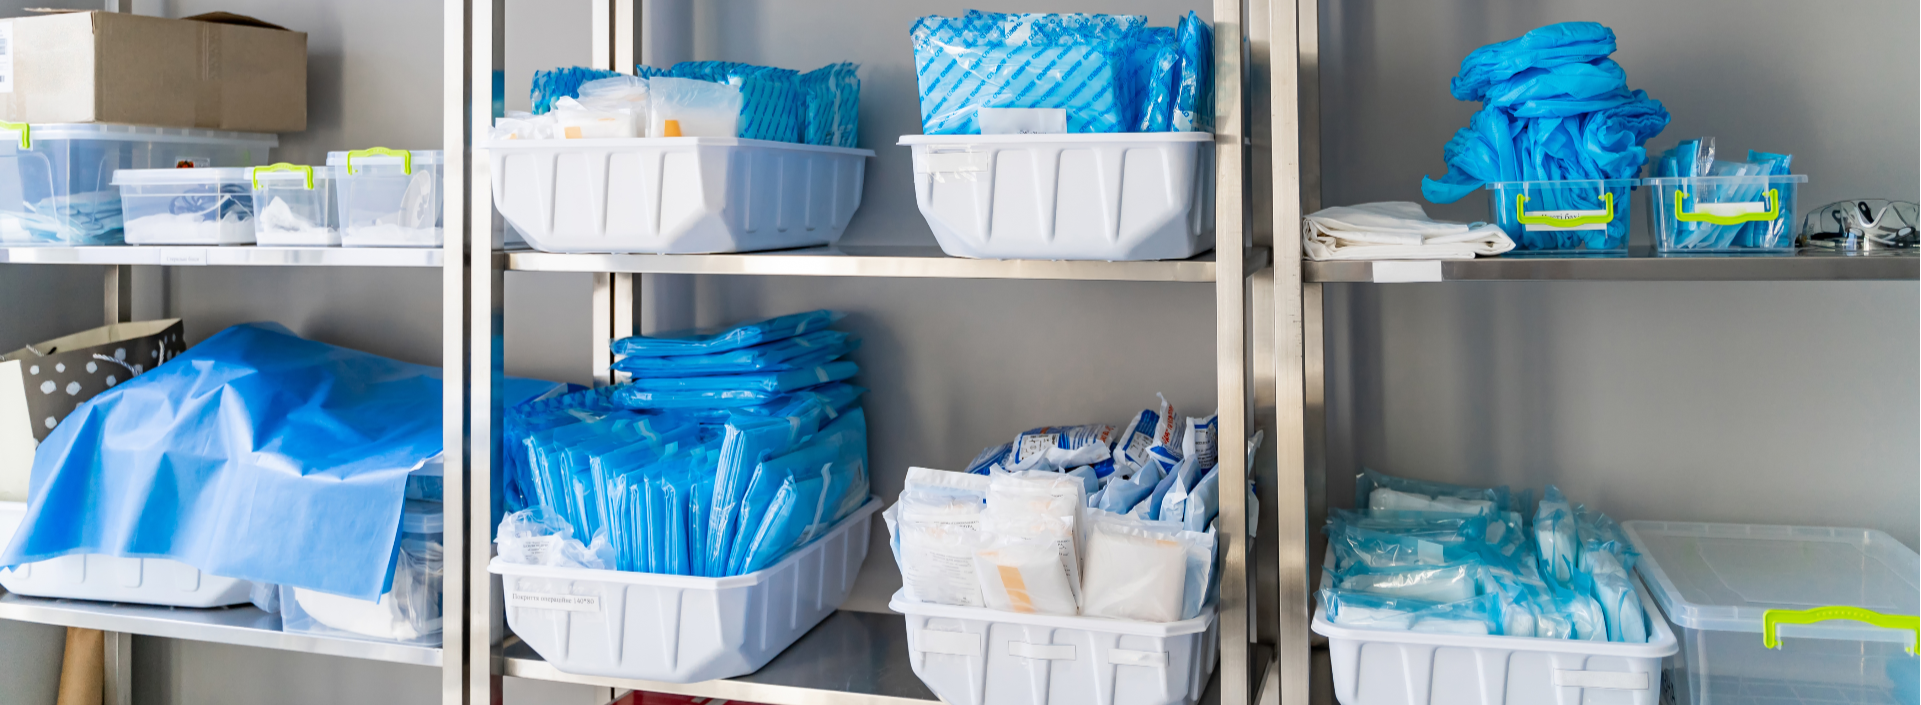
pixel 1681 401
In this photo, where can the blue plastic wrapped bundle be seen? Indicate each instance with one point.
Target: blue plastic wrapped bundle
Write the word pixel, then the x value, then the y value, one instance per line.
pixel 771 105
pixel 1152 78
pixel 550 86
pixel 1554 108
pixel 801 351
pixel 1765 181
pixel 831 105
pixel 730 338
pixel 1194 104
pixel 981 60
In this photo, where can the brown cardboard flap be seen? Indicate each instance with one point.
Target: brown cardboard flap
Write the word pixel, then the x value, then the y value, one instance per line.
pixel 231 18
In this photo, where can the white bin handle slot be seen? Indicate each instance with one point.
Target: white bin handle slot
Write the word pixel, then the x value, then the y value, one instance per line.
pixel 949 643
pixel 1048 652
pixel 1606 680
pixel 1124 657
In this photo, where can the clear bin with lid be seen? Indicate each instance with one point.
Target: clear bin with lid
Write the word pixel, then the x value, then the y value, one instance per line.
pixel 1731 590
pixel 1723 214
pixel 409 613
pixel 1564 217
pixel 186 206
pixel 389 197
pixel 293 206
pixel 56 180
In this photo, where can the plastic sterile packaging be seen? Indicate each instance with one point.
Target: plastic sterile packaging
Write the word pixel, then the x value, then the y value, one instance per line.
pixel 695 108
pixel 936 530
pixel 389 197
pixel 1071 64
pixel 694 342
pixel 1144 571
pixel 408 613
pixel 1025 574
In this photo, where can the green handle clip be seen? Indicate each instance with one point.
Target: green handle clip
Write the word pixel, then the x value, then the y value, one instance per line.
pixel 283 166
pixel 1772 618
pixel 26 142
pixel 1774 211
pixel 406 157
pixel 1563 221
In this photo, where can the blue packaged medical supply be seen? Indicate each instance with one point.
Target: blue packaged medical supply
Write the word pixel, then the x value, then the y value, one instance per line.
pixel 552 85
pixel 1151 78
pixel 1072 446
pixel 777 355
pixel 1194 102
pixel 774 382
pixel 993 455
pixel 1073 63
pixel 732 338
pixel 749 441
pixel 831 105
pixel 279 460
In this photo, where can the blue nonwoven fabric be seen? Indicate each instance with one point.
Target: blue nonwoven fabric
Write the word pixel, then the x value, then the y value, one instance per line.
pixel 1543 48
pixel 777 355
pixel 732 338
pixel 550 86
pixel 255 455
pixel 1074 62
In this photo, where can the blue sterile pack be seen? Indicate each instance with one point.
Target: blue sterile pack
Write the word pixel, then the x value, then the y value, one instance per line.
pixel 830 100
pixel 800 351
pixel 1554 108
pixel 990 457
pixel 255 455
pixel 1705 204
pixel 731 338
pixel 1066 447
pixel 550 86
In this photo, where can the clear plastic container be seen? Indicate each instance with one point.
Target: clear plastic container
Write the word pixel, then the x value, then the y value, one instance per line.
pixel 56 180
pixel 186 206
pixel 407 614
pixel 1722 584
pixel 389 197
pixel 1723 214
pixel 294 206
pixel 1563 218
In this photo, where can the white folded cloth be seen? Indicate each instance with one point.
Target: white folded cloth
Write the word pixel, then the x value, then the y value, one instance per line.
pixel 1395 230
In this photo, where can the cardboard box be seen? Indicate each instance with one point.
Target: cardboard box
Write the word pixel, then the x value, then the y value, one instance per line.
pixel 42 383
pixel 223 72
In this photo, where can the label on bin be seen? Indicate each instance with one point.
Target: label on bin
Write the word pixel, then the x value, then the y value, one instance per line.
pixel 567 603
pixel 1564 215
pixel 6 57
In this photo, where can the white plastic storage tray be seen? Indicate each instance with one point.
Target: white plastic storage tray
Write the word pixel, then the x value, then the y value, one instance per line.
pixel 1121 196
pixel 151 581
pixel 677 628
pixel 1383 667
pixel 1717 582
pixel 675 194
pixel 978 656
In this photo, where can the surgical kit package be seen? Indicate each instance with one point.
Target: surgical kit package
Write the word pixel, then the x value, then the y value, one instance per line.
pixel 1418 564
pixel 1557 140
pixel 734 462
pixel 694 99
pixel 999 73
pixel 1705 205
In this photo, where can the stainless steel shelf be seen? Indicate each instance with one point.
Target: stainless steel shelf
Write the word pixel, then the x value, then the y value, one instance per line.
pixel 851 658
pixel 878 261
pixel 241 626
pixel 234 256
pixel 1639 265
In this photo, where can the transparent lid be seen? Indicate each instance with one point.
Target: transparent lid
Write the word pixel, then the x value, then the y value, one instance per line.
pixel 420 156
pixel 203 175
pixel 320 173
pixel 1566 183
pixel 1723 577
pixel 143 133
pixel 1706 180
pixel 419 516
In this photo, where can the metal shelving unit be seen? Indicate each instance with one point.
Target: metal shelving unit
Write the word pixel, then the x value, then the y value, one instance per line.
pixel 242 625
pixel 235 256
pixel 1638 266
pixel 883 261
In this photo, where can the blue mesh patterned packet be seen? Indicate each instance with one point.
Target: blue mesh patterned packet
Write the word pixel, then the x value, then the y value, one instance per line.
pixel 550 86
pixel 831 96
pixel 1194 104
pixel 994 60
pixel 1150 78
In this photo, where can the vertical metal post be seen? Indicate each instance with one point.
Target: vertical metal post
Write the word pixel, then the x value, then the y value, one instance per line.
pixel 612 310
pixel 616 26
pixel 118 293
pixel 1230 307
pixel 117 648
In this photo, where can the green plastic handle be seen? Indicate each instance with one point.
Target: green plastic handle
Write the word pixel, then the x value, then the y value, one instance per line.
pixel 283 166
pixel 406 157
pixel 26 142
pixel 1774 211
pixel 1772 618
pixel 1561 221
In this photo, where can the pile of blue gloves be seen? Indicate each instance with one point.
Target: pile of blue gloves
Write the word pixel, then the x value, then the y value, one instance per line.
pixel 727 452
pixel 1432 557
pixel 1108 73
pixel 1554 108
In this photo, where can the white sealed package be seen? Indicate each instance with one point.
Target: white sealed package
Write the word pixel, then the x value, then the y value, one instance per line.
pixel 1149 428
pixel 1039 506
pixel 1025 574
pixel 1384 499
pixel 936 531
pixel 1146 571
pixel 696 108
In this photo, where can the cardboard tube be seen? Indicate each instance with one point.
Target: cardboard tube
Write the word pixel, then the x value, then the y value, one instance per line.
pixel 83 671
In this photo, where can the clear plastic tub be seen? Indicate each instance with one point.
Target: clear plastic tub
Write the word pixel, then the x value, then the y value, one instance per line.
pixel 56 179
pixel 389 197
pixel 1723 214
pixel 294 206
pixel 186 206
pixel 1721 585
pixel 407 614
pixel 1563 218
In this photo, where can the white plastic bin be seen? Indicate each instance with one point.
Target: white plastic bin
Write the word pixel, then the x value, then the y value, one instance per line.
pixel 1120 196
pixel 56 180
pixel 151 581
pixel 389 197
pixel 676 194
pixel 979 656
pixel 294 206
pixel 1717 583
pixel 407 614
pixel 1386 667
pixel 677 628
pixel 186 206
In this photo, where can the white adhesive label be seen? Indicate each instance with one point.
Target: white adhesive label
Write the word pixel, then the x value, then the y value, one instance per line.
pixel 6 57
pixel 949 643
pixel 183 256
pixel 564 603
pixel 1037 444
pixel 1023 121
pixel 1728 209
pixel 1391 272
pixel 1564 215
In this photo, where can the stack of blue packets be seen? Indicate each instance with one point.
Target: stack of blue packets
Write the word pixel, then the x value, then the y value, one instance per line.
pixel 727 451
